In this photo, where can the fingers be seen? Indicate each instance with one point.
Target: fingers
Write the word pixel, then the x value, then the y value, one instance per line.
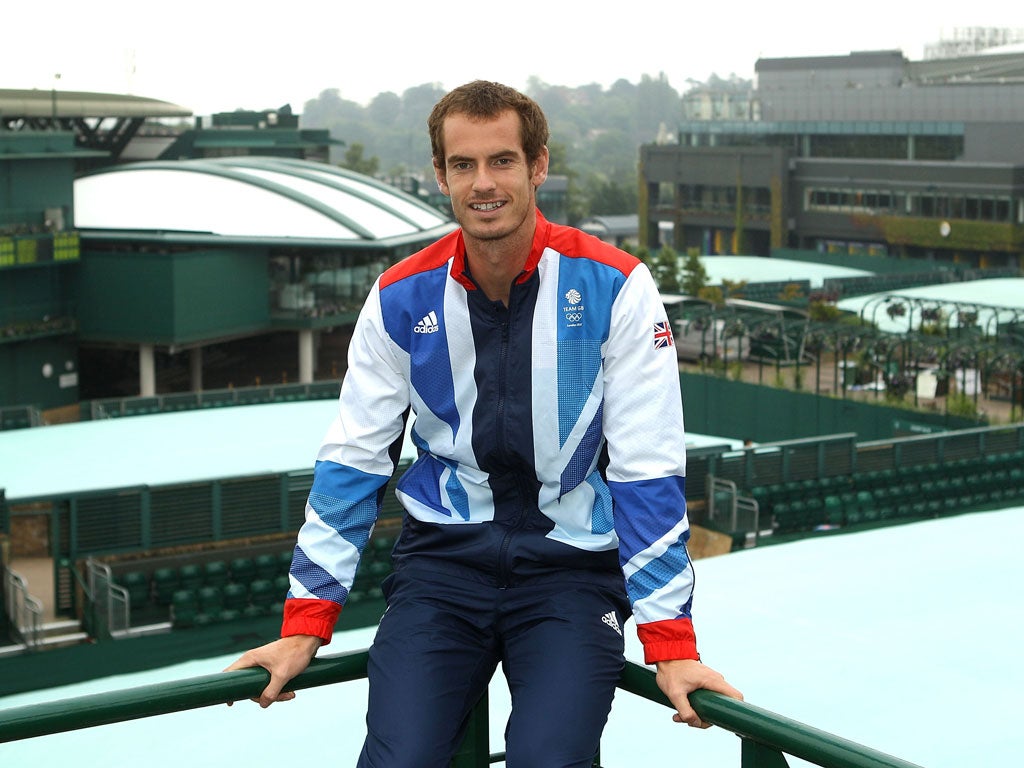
pixel 686 714
pixel 273 692
pixel 283 659
pixel 240 663
pixel 677 679
pixel 724 688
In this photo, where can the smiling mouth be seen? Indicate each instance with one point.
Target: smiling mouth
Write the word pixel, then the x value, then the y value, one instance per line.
pixel 487 206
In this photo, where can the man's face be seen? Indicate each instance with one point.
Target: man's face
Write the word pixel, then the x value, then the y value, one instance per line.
pixel 491 185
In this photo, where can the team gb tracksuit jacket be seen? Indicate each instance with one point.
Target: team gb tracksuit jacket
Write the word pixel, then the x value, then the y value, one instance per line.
pixel 549 433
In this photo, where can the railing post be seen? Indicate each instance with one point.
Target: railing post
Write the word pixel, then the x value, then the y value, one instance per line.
pixel 475 750
pixel 756 755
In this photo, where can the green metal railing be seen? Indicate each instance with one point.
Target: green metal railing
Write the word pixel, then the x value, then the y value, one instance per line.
pixel 766 737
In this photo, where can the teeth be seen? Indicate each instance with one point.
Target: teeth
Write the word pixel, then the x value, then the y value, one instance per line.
pixel 487 206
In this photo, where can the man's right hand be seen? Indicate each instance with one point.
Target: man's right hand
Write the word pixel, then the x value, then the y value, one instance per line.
pixel 283 659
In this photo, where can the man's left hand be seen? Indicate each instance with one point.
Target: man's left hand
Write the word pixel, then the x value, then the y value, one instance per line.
pixel 679 677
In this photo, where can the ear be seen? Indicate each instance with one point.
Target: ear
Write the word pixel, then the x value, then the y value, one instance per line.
pixel 539 172
pixel 442 183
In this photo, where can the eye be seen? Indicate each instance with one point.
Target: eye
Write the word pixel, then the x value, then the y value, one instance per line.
pixel 461 166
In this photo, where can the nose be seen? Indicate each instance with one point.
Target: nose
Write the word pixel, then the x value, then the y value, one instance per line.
pixel 483 181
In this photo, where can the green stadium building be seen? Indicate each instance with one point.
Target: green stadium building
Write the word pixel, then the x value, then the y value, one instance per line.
pixel 129 245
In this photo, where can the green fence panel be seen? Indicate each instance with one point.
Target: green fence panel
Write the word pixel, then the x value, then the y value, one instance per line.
pixel 719 406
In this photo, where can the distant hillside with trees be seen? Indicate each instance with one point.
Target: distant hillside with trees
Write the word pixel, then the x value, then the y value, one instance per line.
pixel 595 134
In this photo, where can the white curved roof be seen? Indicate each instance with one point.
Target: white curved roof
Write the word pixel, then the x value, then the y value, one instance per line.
pixel 757 269
pixel 995 300
pixel 255 198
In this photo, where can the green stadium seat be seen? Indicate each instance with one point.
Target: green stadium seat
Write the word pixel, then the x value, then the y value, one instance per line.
pixel 138 587
pixel 236 596
pixel 781 516
pixel 262 592
pixel 184 608
pixel 254 611
pixel 243 569
pixel 285 556
pixel 833 510
pixel 866 505
pixel 266 566
pixel 215 573
pixel 211 600
pixel 814 514
pixel 165 582
pixel 191 576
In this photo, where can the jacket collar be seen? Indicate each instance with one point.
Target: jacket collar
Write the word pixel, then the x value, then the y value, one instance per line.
pixel 541 236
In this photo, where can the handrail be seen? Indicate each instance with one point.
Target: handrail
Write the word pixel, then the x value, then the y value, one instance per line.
pixel 757 726
pixel 765 735
pixel 105 596
pixel 109 707
pixel 24 610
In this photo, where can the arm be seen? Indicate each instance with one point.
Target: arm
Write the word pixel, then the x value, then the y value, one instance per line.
pixel 643 426
pixel 353 466
pixel 646 475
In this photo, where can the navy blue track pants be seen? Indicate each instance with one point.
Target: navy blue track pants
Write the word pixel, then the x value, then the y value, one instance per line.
pixel 560 646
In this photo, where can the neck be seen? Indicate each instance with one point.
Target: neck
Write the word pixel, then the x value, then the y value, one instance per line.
pixel 495 264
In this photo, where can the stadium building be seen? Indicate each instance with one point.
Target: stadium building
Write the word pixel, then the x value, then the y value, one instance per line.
pixel 128 247
pixel 867 153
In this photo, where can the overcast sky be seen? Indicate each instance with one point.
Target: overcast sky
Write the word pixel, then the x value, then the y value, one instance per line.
pixel 221 55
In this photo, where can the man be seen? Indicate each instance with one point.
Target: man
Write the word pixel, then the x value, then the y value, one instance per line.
pixel 548 420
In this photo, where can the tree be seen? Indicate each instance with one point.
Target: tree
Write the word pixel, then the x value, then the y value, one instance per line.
pixel 606 197
pixel 695 275
pixel 355 161
pixel 666 270
pixel 385 109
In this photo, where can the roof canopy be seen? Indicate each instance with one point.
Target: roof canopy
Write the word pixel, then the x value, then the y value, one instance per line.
pixel 15 103
pixel 252 199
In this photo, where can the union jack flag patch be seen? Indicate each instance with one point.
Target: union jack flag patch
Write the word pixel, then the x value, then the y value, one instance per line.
pixel 662 335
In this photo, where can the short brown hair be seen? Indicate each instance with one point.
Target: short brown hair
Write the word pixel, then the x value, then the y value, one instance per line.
pixel 482 99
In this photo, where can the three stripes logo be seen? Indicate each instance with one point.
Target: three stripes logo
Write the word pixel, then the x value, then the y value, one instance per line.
pixel 612 621
pixel 428 324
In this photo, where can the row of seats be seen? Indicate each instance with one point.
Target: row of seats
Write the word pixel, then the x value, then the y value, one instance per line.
pixel 927 490
pixel 209 604
pixel 159 586
pixel 197 594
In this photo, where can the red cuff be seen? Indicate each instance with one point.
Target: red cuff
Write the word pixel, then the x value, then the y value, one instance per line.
pixel 310 617
pixel 667 640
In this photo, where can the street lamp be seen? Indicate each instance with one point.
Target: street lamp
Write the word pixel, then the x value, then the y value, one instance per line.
pixel 53 100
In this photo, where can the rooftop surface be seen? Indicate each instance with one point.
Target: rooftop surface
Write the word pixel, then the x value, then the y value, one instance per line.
pixel 169 448
pixel 904 639
pixel 757 269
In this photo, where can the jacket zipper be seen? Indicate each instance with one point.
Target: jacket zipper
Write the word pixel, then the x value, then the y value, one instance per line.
pixel 504 570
